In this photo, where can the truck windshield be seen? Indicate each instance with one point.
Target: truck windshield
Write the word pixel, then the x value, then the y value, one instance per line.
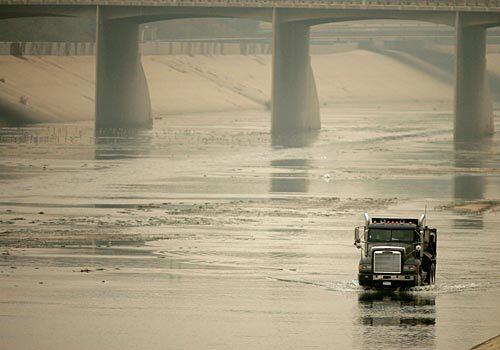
pixel 386 235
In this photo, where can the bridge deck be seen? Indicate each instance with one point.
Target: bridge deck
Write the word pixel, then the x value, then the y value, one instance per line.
pixel 405 5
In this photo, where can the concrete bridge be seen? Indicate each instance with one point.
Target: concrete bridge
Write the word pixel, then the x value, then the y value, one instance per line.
pixel 122 96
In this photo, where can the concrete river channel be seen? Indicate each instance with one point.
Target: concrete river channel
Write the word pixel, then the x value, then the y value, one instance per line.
pixel 208 233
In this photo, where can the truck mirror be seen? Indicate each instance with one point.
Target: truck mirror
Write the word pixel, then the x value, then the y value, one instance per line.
pixel 356 235
pixel 418 249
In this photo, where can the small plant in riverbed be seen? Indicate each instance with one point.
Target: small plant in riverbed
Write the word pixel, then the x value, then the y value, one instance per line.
pixel 23 100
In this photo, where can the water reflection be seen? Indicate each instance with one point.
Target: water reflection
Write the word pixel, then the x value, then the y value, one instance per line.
pixel 291 174
pixel 294 140
pixel 391 319
pixel 115 144
pixel 469 183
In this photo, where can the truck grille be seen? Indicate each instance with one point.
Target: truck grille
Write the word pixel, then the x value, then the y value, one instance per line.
pixel 387 261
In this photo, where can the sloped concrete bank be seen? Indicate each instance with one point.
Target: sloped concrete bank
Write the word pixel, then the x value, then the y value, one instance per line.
pixel 58 88
pixel 490 344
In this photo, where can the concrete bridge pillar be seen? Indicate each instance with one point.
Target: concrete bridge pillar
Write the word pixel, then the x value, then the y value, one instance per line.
pixel 473 104
pixel 122 95
pixel 295 105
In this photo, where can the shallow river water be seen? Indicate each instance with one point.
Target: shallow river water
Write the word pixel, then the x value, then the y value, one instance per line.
pixel 207 233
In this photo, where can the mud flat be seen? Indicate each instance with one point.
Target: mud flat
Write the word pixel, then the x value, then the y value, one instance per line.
pixel 135 224
pixel 55 89
pixel 473 207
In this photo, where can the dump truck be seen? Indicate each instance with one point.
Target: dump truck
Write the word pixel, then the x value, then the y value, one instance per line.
pixel 396 252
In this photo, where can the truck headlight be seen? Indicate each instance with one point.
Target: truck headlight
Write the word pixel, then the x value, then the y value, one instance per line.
pixel 409 268
pixel 365 267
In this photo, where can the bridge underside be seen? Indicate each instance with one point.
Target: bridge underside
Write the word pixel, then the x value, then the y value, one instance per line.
pixel 122 96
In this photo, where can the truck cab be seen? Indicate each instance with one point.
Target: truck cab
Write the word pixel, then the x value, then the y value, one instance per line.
pixel 396 252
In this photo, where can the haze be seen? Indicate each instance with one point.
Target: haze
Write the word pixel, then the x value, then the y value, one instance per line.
pixel 189 176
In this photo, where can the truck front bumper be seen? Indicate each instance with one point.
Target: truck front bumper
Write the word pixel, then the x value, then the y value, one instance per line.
pixel 386 281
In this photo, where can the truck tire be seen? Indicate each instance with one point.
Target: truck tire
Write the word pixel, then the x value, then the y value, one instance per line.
pixel 418 278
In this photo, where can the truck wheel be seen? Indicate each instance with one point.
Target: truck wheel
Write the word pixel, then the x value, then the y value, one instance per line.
pixel 432 277
pixel 418 279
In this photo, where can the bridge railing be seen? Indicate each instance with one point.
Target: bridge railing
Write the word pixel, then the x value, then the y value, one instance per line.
pixel 47 48
pixel 180 47
pixel 395 3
